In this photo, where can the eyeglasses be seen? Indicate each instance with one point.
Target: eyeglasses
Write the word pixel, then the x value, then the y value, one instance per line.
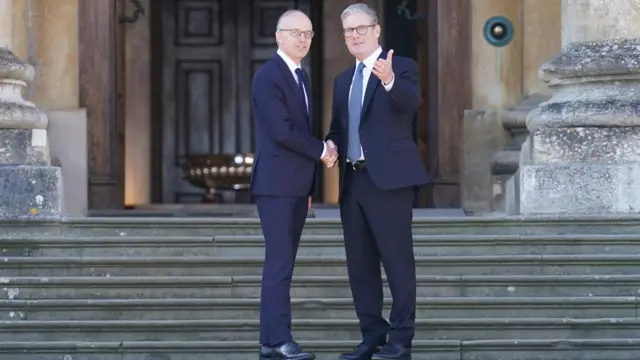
pixel 296 33
pixel 362 30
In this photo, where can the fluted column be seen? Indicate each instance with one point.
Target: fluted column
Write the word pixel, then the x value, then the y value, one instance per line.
pixel 29 186
pixel 584 148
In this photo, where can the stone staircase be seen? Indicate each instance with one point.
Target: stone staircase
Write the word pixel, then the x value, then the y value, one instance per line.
pixel 188 289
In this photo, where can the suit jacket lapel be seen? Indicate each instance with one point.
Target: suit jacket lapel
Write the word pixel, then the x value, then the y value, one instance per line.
pixel 307 88
pixel 291 81
pixel 372 85
pixel 344 86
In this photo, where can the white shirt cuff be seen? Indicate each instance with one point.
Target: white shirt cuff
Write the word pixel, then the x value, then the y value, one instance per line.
pixel 390 85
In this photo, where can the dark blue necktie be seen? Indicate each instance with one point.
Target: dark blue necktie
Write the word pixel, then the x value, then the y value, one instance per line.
pixel 303 98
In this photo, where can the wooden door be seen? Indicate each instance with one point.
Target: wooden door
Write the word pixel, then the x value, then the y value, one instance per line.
pixel 443 59
pixel 210 51
pixel 101 55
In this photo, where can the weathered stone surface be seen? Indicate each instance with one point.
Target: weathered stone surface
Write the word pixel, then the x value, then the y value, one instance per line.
pixel 509 297
pixel 561 146
pixel 580 189
pixel 583 149
pixel 512 194
pixel 24 147
pixel 574 106
pixel 29 187
pixel 483 136
pixel 30 191
pixel 593 58
pixel 15 111
pixel 14 68
pixel 595 84
pixel 14 115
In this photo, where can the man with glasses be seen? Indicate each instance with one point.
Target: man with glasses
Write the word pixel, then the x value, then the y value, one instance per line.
pixel 283 178
pixel 374 103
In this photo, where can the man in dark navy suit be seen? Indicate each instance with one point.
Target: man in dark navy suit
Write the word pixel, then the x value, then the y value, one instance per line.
pixel 374 103
pixel 283 179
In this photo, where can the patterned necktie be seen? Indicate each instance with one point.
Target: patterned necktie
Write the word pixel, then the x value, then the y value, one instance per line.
pixel 354 149
pixel 300 76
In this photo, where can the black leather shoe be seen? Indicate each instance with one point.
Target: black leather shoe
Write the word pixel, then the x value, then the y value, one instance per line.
pixel 361 352
pixel 266 352
pixel 288 351
pixel 393 352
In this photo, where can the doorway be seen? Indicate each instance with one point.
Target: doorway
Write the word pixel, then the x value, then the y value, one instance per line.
pixel 206 53
pixel 436 34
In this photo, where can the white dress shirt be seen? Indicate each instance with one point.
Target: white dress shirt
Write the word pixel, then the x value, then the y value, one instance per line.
pixel 293 67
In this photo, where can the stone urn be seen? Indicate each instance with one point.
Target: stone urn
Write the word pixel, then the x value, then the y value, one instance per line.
pixel 218 172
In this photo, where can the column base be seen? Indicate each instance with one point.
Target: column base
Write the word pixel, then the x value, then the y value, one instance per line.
pixel 580 189
pixel 30 192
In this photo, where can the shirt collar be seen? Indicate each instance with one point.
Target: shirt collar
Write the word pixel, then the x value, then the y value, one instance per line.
pixel 371 60
pixel 290 63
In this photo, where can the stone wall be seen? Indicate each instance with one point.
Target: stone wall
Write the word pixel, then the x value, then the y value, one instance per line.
pixel 506 86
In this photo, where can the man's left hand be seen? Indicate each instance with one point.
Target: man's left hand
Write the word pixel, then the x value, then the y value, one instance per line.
pixel 309 207
pixel 383 69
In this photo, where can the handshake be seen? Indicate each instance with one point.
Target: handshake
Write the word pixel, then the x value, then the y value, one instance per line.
pixel 330 157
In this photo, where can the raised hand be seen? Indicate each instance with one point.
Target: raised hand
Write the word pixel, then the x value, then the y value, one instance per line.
pixel 383 68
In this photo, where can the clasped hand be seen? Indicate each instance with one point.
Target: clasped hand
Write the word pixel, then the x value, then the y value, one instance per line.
pixel 331 156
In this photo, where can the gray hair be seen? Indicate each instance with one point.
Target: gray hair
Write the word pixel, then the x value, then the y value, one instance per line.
pixel 285 15
pixel 360 8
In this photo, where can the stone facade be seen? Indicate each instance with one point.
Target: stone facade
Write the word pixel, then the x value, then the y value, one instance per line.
pixel 504 82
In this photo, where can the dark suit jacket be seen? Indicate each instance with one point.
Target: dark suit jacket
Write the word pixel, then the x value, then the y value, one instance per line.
pixel 392 156
pixel 287 155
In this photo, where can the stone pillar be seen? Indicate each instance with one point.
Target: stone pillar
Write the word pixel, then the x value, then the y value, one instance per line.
pixel 584 147
pixel 6 25
pixel 29 186
pixel 55 26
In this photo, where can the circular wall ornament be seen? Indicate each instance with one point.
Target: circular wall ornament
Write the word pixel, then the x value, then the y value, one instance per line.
pixel 498 31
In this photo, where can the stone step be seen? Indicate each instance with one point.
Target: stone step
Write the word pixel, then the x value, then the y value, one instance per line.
pixel 317 308
pixel 314 245
pixel 159 226
pixel 114 287
pixel 520 349
pixel 316 329
pixel 606 264
pixel 92 287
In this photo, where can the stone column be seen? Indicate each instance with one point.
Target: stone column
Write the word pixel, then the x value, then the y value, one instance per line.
pixel 583 154
pixel 6 25
pixel 29 186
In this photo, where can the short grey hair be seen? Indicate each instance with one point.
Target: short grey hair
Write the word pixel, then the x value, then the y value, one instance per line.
pixel 286 14
pixel 360 8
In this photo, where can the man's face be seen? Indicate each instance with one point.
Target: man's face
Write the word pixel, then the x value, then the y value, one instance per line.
pixel 294 37
pixel 360 35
